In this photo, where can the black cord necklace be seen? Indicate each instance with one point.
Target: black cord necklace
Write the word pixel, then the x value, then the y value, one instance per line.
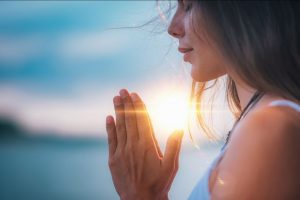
pixel 254 99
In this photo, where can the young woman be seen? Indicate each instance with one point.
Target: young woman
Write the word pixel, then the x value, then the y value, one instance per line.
pixel 256 44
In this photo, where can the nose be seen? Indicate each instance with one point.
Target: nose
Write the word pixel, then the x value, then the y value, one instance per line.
pixel 176 27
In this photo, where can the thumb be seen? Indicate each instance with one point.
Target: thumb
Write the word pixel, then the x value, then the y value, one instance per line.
pixel 170 158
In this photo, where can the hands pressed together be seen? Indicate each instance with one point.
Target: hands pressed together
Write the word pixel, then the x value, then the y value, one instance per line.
pixel 139 170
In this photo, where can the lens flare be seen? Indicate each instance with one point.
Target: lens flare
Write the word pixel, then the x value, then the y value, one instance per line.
pixel 169 111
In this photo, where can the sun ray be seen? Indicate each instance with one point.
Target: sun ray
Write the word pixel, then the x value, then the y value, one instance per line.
pixel 170 111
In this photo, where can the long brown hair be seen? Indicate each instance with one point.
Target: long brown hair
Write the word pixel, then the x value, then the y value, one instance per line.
pixel 261 41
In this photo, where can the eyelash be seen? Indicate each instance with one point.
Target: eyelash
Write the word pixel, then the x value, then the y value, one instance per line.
pixel 186 6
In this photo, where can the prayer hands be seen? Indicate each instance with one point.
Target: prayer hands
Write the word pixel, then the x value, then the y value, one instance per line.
pixel 139 170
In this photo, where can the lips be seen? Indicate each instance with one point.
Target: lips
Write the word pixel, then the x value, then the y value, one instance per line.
pixel 184 50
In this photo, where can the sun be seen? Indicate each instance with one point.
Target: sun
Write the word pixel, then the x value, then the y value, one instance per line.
pixel 169 111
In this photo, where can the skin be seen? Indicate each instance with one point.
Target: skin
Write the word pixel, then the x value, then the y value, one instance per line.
pixel 139 169
pixel 260 162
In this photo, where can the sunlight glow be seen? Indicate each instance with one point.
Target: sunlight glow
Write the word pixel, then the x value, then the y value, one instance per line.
pixel 169 111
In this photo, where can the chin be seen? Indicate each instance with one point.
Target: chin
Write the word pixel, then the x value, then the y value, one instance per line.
pixel 200 77
pixel 201 74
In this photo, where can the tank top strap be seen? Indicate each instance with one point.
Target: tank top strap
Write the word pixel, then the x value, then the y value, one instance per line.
pixel 287 103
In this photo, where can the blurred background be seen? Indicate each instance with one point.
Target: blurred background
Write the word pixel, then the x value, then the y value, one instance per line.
pixel 61 63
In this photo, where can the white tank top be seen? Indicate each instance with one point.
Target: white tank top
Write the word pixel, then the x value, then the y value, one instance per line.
pixel 286 103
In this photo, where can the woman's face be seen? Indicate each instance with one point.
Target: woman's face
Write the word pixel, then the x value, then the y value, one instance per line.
pixel 207 63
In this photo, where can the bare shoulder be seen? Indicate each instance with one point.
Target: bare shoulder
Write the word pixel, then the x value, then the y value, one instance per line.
pixel 262 156
pixel 272 123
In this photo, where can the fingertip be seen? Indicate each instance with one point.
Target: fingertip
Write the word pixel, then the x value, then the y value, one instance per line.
pixel 180 138
pixel 176 137
pixel 117 100
pixel 109 119
pixel 123 90
pixel 180 133
pixel 123 93
pixel 134 97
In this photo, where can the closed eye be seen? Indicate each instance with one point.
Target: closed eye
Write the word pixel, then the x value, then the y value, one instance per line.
pixel 186 5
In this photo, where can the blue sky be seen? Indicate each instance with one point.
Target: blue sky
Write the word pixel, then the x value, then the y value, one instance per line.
pixel 61 65
pixel 65 42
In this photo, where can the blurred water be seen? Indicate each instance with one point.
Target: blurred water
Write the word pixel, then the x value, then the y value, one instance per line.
pixel 58 168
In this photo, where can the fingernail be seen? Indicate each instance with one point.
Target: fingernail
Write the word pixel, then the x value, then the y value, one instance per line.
pixel 134 97
pixel 117 100
pixel 109 119
pixel 180 134
pixel 123 93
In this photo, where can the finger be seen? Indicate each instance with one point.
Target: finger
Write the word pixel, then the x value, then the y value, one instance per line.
pixel 143 122
pixel 176 162
pixel 178 150
pixel 130 118
pixel 152 131
pixel 112 135
pixel 120 122
pixel 170 160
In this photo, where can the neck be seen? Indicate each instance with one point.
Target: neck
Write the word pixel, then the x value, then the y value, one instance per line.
pixel 245 93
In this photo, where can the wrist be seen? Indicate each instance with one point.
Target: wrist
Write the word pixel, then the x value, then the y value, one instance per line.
pixel 155 197
pixel 145 196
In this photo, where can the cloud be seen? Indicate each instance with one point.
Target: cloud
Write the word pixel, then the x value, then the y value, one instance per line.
pixel 87 45
pixel 19 10
pixel 68 46
pixel 14 51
